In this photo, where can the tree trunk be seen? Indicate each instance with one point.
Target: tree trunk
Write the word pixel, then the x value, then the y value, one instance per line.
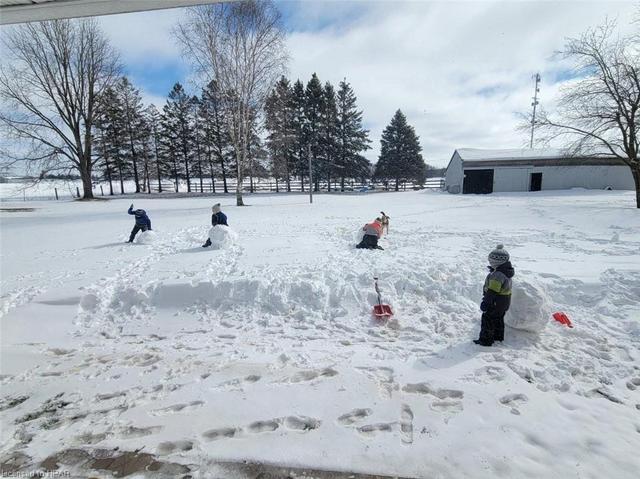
pixel 224 173
pixel 286 167
pixel 175 173
pixel 636 178
pixel 155 143
pixel 121 180
pixel 134 159
pixel 106 162
pixel 397 184
pixel 85 173
pixel 239 201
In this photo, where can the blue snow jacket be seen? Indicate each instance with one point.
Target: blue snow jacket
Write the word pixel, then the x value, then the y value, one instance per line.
pixel 219 218
pixel 141 217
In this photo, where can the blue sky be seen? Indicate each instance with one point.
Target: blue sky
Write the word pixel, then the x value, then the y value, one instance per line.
pixel 461 71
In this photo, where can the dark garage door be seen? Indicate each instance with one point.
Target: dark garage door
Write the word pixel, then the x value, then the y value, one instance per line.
pixel 478 181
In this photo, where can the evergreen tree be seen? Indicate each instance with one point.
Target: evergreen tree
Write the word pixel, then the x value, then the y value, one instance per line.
pixel 281 139
pixel 159 155
pixel 112 128
pixel 256 155
pixel 199 139
pixel 133 119
pixel 352 138
pixel 178 132
pixel 300 150
pixel 400 157
pixel 217 141
pixel 328 141
pixel 313 110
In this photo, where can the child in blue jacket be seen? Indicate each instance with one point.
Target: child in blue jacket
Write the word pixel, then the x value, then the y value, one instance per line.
pixel 142 222
pixel 217 218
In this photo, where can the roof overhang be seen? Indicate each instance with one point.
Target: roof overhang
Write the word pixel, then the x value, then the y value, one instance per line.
pixel 572 161
pixel 23 11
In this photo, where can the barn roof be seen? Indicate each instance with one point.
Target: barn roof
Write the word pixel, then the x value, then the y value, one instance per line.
pixel 475 157
pixel 477 154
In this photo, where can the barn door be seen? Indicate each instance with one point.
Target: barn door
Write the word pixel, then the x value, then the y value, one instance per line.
pixel 536 182
pixel 478 182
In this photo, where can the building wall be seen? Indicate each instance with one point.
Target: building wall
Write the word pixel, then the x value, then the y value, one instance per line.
pixel 591 177
pixel 557 177
pixel 454 175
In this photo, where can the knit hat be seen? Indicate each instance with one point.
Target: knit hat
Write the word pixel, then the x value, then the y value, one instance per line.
pixel 498 256
pixel 216 208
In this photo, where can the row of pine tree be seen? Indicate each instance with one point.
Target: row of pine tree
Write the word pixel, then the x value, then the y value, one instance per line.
pixel 312 125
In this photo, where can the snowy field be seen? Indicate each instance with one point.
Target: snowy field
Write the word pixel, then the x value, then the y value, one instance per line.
pixel 265 349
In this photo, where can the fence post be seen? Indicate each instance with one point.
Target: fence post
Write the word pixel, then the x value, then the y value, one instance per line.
pixel 78 191
pixel 56 190
pixel 101 190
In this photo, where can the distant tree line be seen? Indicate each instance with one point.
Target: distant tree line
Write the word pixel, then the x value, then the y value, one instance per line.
pixel 67 108
pixel 303 125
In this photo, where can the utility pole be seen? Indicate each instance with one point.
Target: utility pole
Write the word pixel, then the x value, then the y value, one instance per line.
pixel 310 178
pixel 534 105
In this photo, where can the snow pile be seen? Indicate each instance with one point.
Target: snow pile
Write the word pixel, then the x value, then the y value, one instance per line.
pixel 530 309
pixel 358 235
pixel 222 237
pixel 147 237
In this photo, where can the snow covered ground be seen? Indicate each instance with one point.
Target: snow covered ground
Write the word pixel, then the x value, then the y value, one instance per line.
pixel 265 349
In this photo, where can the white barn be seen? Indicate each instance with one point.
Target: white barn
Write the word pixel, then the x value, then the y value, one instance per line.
pixel 486 171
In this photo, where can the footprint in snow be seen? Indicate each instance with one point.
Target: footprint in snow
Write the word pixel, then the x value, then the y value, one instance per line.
pixel 311 374
pixel 633 383
pixel 426 388
pixel 370 430
pixel 514 400
pixel 263 426
pixel 354 416
pixel 406 424
pixel 169 447
pixel 302 423
pixel 175 408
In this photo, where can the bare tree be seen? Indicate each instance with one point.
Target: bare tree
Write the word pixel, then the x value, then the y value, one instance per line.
pixel 599 111
pixel 54 73
pixel 240 46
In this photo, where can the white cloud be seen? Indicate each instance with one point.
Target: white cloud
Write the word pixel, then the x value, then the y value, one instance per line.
pixel 144 37
pixel 459 70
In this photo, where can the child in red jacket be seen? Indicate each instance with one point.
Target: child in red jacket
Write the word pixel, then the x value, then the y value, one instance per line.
pixel 372 233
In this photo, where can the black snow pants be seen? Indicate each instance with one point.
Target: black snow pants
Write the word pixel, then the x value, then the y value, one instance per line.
pixel 369 242
pixel 492 327
pixel 135 230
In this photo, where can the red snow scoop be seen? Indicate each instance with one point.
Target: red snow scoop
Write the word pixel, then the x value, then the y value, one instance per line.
pixel 562 319
pixel 382 311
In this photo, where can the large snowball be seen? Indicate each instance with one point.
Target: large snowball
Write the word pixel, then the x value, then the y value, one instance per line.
pixel 147 237
pixel 530 309
pixel 222 237
pixel 358 235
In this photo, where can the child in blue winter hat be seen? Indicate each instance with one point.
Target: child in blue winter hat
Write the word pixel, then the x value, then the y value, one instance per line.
pixel 496 298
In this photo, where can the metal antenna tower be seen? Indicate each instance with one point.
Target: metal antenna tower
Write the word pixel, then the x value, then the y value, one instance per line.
pixel 534 104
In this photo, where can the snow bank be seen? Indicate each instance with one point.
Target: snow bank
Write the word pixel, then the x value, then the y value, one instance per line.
pixel 530 309
pixel 147 237
pixel 222 237
pixel 358 235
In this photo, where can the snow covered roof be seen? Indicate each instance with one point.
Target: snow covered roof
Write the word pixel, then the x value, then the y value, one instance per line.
pixel 477 154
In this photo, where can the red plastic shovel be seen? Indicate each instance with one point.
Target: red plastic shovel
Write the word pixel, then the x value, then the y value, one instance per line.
pixel 562 319
pixel 382 311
